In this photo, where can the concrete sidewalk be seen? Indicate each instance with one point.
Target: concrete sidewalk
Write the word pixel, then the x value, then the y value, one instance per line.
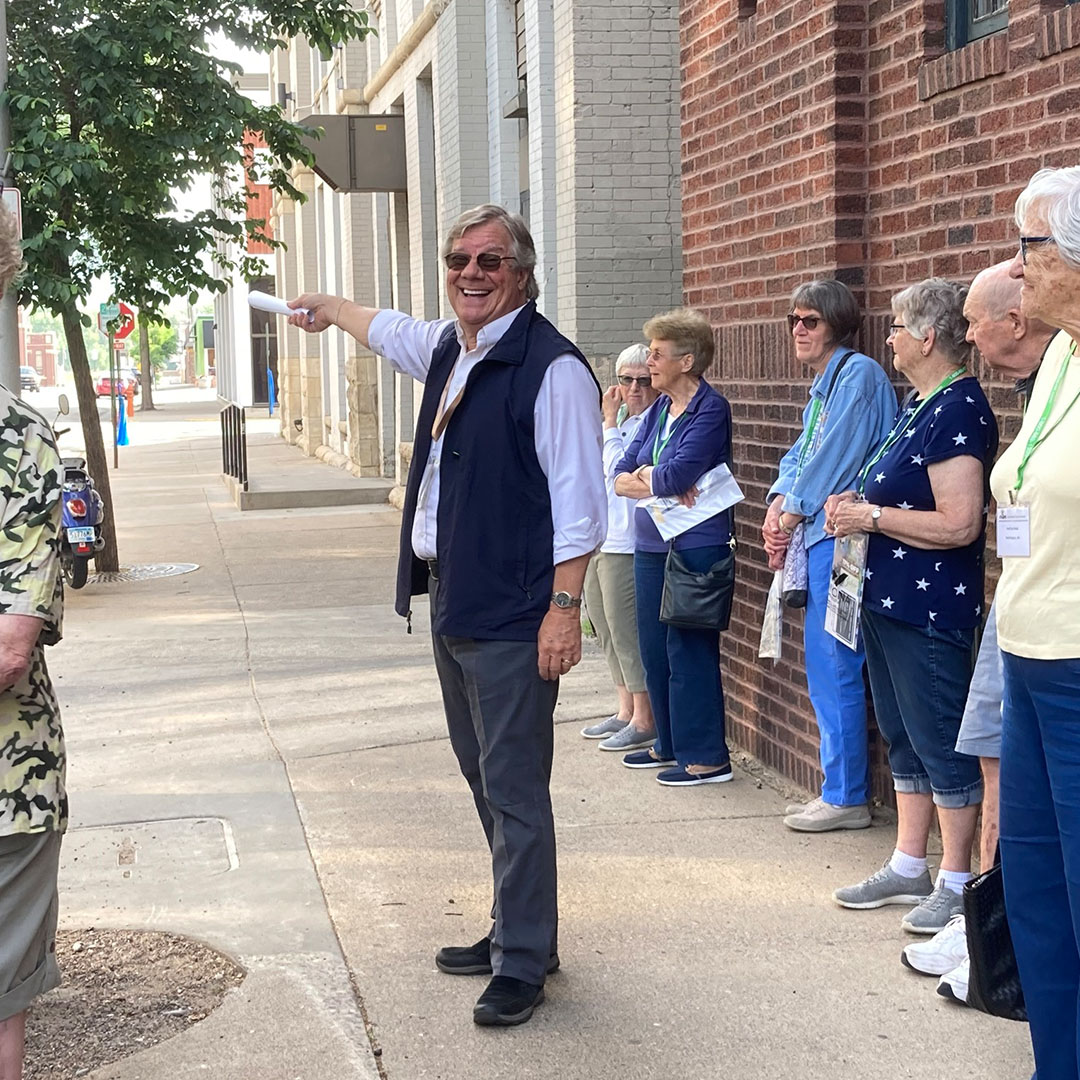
pixel 268 740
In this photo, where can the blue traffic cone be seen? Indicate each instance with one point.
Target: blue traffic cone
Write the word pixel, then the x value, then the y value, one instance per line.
pixel 121 427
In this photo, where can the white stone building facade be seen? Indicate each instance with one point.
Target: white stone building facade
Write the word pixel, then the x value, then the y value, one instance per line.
pixel 564 110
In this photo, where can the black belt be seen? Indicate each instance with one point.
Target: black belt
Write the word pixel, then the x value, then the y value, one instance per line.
pixel 433 568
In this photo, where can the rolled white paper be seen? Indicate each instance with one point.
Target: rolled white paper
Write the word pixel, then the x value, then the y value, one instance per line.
pixel 265 302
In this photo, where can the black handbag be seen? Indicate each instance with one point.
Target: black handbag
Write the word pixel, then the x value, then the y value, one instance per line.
pixel 994 983
pixel 697 600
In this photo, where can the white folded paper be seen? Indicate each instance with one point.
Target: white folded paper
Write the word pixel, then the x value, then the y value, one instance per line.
pixel 261 301
pixel 717 490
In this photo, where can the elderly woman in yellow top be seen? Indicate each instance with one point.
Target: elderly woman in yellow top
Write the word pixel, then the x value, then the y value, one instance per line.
pixel 1035 483
pixel 33 805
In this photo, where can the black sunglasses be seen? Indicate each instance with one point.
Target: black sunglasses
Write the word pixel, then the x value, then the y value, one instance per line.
pixel 809 321
pixel 641 380
pixel 1032 241
pixel 486 260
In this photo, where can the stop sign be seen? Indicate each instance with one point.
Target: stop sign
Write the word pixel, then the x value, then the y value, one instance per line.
pixel 126 320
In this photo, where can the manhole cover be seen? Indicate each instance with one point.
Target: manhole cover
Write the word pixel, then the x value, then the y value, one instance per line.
pixel 141 573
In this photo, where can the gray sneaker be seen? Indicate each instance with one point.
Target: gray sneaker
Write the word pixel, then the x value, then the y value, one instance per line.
pixel 604 728
pixel 628 738
pixel 934 912
pixel 824 817
pixel 799 807
pixel 885 887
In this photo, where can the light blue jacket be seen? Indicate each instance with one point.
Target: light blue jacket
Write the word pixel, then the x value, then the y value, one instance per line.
pixel 853 423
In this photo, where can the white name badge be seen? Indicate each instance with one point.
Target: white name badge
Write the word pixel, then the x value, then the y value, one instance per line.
pixel 1014 531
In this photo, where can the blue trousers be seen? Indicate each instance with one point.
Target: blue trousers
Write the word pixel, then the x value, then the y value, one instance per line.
pixel 834 678
pixel 682 668
pixel 1040 850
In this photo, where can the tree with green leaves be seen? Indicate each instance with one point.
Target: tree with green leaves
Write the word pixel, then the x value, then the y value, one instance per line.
pixel 117 104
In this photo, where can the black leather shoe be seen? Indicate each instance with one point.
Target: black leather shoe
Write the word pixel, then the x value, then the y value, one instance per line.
pixel 506 1002
pixel 474 959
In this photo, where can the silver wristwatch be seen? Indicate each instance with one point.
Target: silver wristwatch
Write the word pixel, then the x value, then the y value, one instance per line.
pixel 875 518
pixel 565 600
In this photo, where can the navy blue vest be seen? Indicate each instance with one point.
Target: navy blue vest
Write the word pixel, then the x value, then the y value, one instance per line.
pixel 495 534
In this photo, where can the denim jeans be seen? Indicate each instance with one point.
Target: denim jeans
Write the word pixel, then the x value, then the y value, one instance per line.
pixel 1040 850
pixel 919 677
pixel 682 667
pixel 834 679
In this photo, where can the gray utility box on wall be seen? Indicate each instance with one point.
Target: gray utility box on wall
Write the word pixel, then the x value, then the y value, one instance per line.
pixel 359 153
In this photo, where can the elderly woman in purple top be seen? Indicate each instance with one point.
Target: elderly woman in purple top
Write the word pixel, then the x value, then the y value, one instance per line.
pixel 685 433
pixel 922 497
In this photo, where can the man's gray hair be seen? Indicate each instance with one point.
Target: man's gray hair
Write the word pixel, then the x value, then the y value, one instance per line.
pixel 632 356
pixel 1055 195
pixel 522 247
pixel 11 258
pixel 938 305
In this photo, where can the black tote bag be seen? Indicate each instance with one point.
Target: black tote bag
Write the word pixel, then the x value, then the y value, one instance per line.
pixel 994 983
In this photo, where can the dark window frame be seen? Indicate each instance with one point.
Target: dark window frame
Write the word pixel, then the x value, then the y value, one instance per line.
pixel 962 26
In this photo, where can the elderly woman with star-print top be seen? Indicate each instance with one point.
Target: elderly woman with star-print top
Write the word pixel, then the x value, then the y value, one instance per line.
pixel 922 497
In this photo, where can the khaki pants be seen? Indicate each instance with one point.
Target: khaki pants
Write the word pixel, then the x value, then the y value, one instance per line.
pixel 609 598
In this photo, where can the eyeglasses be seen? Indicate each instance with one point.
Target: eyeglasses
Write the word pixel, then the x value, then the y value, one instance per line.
pixel 639 380
pixel 656 354
pixel 1032 241
pixel 893 327
pixel 486 260
pixel 809 321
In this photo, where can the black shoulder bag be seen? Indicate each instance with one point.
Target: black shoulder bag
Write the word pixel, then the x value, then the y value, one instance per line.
pixel 994 983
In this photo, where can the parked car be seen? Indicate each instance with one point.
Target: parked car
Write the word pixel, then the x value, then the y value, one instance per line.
pixel 103 387
pixel 28 378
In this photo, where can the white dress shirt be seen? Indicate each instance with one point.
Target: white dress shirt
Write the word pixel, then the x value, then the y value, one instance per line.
pixel 620 531
pixel 566 418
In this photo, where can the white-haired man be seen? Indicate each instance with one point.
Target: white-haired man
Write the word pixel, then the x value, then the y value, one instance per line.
pixel 504 506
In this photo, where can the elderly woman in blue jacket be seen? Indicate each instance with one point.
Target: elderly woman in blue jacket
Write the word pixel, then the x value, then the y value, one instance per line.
pixel 685 433
pixel 850 411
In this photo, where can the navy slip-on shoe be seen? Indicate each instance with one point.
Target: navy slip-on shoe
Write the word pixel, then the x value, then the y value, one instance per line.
pixel 646 759
pixel 682 778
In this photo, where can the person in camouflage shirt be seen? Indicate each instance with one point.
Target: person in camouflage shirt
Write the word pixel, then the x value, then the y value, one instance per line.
pixel 33 802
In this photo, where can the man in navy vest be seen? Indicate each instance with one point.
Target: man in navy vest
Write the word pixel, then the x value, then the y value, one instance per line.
pixel 504 506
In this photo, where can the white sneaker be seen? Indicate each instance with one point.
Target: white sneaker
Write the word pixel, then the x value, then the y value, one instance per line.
pixel 944 952
pixel 954 985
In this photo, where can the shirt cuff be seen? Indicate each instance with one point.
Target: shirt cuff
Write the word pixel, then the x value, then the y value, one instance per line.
pixel 576 538
pixel 792 504
pixel 613 434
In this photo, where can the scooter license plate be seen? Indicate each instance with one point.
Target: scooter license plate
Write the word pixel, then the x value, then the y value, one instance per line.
pixel 83 535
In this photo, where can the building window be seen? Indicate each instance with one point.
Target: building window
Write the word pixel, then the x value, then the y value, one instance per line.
pixel 968 20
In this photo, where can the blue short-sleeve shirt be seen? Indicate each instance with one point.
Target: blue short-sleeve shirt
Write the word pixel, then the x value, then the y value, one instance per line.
pixel 940 587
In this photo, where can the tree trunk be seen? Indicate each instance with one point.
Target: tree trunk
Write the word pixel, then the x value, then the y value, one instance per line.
pixel 97 463
pixel 147 378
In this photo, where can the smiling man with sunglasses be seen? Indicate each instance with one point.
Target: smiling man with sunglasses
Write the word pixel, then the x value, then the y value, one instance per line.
pixel 505 504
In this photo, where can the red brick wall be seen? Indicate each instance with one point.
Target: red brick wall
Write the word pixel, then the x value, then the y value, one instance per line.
pixel 832 138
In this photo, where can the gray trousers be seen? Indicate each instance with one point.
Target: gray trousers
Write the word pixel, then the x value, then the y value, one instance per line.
pixel 499 713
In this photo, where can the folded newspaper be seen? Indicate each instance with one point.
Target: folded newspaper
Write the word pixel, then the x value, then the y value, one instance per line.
pixel 717 491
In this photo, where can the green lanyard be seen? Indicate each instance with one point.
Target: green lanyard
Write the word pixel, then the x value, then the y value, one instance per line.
pixel 1037 437
pixel 906 421
pixel 808 438
pixel 658 443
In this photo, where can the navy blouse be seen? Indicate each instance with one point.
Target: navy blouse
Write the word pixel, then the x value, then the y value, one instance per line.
pixel 940 587
pixel 700 440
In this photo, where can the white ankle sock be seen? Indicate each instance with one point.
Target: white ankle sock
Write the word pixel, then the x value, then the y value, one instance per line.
pixel 953 880
pixel 907 865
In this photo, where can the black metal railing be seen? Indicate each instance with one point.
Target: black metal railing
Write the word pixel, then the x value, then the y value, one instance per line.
pixel 234 444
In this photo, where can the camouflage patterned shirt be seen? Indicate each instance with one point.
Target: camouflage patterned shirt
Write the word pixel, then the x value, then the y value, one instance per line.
pixel 32 760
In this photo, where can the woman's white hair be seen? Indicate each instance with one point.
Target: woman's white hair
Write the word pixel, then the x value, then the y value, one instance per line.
pixel 633 356
pixel 1055 195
